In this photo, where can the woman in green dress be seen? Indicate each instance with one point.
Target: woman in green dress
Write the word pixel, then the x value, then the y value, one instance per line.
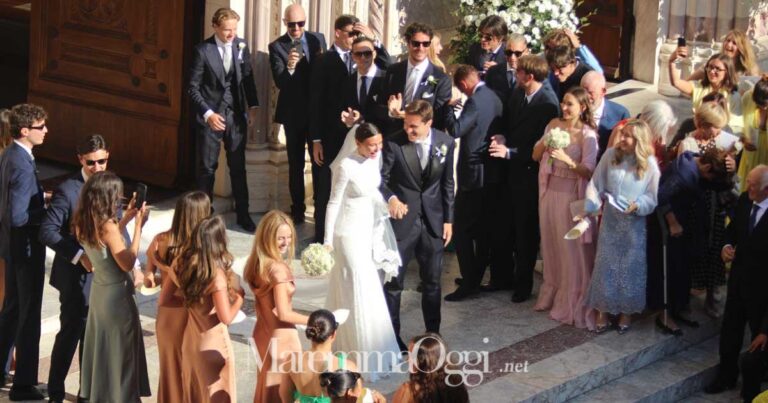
pixel 114 367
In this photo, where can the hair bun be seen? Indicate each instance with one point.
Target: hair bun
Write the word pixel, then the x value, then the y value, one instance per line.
pixel 312 332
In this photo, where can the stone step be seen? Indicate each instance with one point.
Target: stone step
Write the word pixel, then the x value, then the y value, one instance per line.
pixel 670 379
pixel 597 362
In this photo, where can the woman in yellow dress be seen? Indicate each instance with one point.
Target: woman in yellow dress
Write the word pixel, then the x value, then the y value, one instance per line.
pixel 755 109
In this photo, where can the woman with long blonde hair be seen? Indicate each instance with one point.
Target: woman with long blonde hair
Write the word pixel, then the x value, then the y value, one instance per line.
pixel 736 45
pixel 625 184
pixel 212 296
pixel 268 273
pixel 171 320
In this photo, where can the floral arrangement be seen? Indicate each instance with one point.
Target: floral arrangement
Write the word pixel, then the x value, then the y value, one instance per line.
pixel 532 18
pixel 557 138
pixel 316 260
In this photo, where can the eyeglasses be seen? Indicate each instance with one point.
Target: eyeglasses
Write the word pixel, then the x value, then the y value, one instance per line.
pixel 486 37
pixel 352 34
pixel 41 127
pixel 510 52
pixel 91 163
pixel 715 69
pixel 295 24
pixel 424 44
pixel 363 53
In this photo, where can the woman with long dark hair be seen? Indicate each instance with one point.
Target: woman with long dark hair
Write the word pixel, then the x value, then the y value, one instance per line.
pixel 429 381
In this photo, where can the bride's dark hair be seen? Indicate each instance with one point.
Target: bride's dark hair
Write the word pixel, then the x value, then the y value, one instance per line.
pixel 366 131
pixel 321 325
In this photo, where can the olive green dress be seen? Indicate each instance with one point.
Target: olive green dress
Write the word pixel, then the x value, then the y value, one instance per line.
pixel 114 366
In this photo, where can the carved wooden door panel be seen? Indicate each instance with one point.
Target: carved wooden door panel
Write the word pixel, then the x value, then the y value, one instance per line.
pixel 609 34
pixel 112 67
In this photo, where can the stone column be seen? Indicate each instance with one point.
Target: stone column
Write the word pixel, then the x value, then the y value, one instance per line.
pixel 376 18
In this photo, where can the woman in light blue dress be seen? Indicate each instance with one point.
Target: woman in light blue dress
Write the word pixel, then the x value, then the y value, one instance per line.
pixel 625 183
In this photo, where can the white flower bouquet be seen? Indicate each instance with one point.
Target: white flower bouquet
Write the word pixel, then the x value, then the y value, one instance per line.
pixel 557 138
pixel 316 260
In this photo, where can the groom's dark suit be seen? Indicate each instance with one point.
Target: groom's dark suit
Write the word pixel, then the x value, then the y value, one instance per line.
pixel 428 193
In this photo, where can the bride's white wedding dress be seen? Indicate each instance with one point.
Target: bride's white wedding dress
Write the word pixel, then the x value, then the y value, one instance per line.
pixel 365 251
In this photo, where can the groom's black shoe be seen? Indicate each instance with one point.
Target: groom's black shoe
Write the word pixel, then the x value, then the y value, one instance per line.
pixel 245 222
pixel 19 393
pixel 460 294
pixel 520 297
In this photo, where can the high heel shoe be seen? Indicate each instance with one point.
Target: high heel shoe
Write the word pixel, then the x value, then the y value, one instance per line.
pixel 602 328
pixel 621 329
pixel 666 329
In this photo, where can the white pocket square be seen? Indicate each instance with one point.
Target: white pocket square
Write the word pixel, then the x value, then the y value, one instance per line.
pixel 427 95
pixel 375 97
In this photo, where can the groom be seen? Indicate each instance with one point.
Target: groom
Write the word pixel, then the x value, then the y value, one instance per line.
pixel 417 182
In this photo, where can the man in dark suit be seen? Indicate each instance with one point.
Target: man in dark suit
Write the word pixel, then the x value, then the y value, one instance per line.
pixel 747 302
pixel 606 112
pixel 326 129
pixel 501 77
pixel 22 204
pixel 364 92
pixel 489 51
pixel 480 118
pixel 71 270
pixel 416 78
pixel 529 109
pixel 417 182
pixel 291 57
pixel 222 89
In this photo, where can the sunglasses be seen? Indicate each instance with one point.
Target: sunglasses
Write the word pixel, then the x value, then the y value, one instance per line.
pixel 352 34
pixel 363 53
pixel 510 52
pixel 424 44
pixel 91 163
pixel 295 24
pixel 41 127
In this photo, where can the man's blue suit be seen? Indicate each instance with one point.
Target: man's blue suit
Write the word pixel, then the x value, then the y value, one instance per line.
pixel 613 113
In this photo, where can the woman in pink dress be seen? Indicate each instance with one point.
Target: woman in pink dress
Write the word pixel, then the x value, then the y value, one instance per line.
pixel 563 177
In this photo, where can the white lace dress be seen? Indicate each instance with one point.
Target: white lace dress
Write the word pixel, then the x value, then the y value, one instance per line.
pixel 358 228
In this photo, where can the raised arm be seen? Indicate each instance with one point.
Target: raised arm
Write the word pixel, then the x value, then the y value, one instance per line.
pixel 685 87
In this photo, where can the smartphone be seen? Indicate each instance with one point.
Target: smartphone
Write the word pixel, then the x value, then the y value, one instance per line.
pixel 141 194
pixel 680 42
pixel 296 46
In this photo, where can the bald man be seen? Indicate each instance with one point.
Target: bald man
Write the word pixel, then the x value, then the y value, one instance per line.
pixel 501 77
pixel 606 112
pixel 747 301
pixel 291 57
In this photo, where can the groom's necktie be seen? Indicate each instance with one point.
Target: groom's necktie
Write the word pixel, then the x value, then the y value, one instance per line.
pixel 226 58
pixel 422 149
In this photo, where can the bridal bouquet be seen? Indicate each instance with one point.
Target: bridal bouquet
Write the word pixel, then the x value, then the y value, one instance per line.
pixel 316 260
pixel 557 139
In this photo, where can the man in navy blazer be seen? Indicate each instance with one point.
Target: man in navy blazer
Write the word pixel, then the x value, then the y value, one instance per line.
pixel 71 269
pixel 291 57
pixel 480 118
pixel 222 89
pixel 529 109
pixel 417 182
pixel 747 301
pixel 606 112
pixel 326 129
pixel 416 78
pixel 489 51
pixel 364 92
pixel 22 205
pixel 501 77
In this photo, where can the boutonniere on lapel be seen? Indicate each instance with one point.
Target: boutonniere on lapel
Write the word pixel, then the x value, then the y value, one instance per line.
pixel 441 152
pixel 240 47
pixel 431 80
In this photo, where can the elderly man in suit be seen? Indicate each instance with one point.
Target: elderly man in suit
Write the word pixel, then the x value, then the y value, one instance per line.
pixel 531 106
pixel 606 112
pixel 22 205
pixel 501 78
pixel 416 78
pixel 747 301
pixel 364 92
pixel 480 118
pixel 326 129
pixel 222 90
pixel 71 270
pixel 417 182
pixel 291 57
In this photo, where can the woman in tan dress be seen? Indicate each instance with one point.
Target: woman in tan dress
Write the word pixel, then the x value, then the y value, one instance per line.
pixel 212 296
pixel 191 208
pixel 269 275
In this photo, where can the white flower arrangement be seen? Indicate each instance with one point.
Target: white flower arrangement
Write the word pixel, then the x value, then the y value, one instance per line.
pixel 558 138
pixel 531 18
pixel 316 260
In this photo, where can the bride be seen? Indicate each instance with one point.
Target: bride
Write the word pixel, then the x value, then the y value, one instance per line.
pixel 357 229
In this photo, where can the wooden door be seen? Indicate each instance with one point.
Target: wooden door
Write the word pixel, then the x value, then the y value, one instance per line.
pixel 112 67
pixel 609 34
